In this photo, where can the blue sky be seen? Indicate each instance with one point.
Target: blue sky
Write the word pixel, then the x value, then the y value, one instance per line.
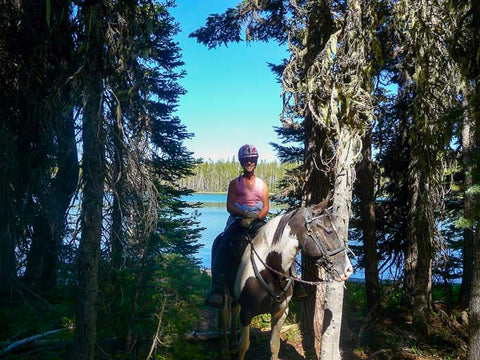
pixel 232 96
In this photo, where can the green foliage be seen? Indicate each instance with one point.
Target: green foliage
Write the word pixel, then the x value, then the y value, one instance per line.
pixel 391 332
pixel 148 246
pixel 36 316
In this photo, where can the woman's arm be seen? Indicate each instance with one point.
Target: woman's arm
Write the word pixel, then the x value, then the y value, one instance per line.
pixel 265 200
pixel 231 197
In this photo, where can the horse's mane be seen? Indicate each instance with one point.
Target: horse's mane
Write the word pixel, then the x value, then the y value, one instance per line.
pixel 279 226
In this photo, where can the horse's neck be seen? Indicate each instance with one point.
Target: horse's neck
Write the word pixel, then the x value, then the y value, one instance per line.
pixel 287 245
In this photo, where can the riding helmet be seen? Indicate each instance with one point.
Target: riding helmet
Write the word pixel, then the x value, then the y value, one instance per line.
pixel 247 151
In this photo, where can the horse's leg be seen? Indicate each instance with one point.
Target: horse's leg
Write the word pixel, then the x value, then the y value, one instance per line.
pixel 226 313
pixel 244 341
pixel 233 328
pixel 277 321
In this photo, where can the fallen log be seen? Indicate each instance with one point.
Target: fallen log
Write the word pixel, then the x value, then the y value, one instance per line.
pixel 30 339
pixel 203 336
pixel 40 344
pixel 212 335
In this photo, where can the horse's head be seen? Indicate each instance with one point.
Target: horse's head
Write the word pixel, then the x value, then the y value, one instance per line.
pixel 322 242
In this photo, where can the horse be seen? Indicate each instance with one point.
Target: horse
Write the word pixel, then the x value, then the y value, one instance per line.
pixel 262 283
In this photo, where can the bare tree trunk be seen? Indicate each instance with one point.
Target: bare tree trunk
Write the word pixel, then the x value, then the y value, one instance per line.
pixel 93 189
pixel 312 310
pixel 342 201
pixel 365 190
pixel 316 189
pixel 131 335
pixel 8 209
pixel 118 180
pixel 411 256
pixel 7 256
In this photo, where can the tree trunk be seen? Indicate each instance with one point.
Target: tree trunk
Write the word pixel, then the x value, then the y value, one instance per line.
pixel 366 192
pixel 7 256
pixel 313 309
pixel 418 266
pixel 317 184
pixel 131 335
pixel 56 108
pixel 342 201
pixel 468 201
pixel 315 190
pixel 411 256
pixel 118 194
pixel 49 226
pixel 474 307
pixel 93 190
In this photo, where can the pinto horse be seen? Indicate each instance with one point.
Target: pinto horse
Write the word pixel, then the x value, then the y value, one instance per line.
pixel 262 283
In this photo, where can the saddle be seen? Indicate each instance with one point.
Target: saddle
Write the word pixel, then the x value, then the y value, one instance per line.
pixel 237 238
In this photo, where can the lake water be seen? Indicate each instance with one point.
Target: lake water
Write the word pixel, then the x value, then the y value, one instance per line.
pixel 213 217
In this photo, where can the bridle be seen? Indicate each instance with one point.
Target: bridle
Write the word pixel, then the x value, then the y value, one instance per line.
pixel 311 234
pixel 325 259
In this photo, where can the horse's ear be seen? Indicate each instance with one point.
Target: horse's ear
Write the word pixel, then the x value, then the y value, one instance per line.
pixel 321 206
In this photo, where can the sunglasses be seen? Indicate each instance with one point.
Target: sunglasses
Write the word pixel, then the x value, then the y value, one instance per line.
pixel 249 159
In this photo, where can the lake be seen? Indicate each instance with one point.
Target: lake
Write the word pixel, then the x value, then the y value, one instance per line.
pixel 213 217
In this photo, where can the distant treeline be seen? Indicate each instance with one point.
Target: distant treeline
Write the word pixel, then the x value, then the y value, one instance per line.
pixel 215 176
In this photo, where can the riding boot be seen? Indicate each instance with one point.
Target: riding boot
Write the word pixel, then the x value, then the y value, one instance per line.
pixel 215 298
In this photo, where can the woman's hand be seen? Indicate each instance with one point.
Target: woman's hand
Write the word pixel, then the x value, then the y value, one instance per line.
pixel 251 215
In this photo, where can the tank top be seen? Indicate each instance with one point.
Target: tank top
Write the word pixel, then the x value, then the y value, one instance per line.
pixel 248 197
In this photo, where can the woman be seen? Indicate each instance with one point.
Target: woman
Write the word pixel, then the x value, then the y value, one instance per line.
pixel 248 205
pixel 247 197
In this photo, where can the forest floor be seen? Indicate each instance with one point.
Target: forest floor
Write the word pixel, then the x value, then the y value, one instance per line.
pixel 390 336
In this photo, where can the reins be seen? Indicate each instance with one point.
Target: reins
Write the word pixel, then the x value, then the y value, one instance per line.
pixel 277 297
pixel 288 277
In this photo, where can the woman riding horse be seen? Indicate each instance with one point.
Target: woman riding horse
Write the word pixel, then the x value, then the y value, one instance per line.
pixel 248 205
